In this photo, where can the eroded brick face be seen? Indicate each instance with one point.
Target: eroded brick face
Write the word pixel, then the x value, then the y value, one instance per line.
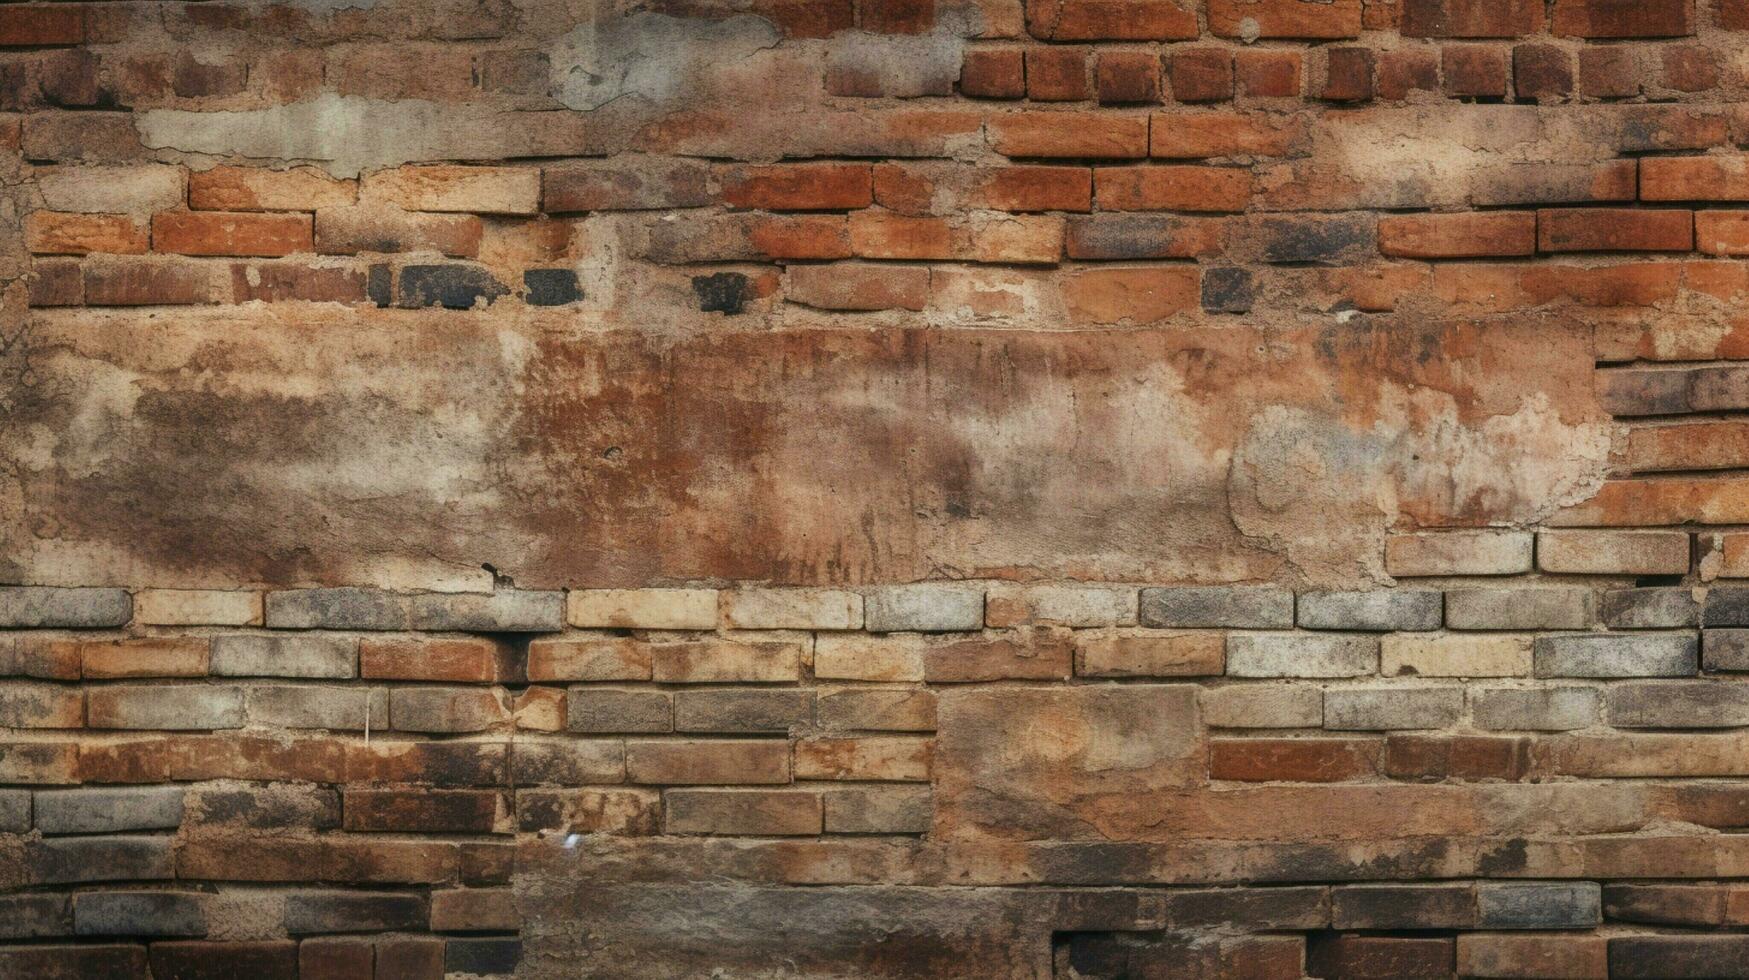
pixel 881 488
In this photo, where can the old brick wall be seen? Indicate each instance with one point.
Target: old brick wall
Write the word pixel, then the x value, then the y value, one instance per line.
pixel 878 488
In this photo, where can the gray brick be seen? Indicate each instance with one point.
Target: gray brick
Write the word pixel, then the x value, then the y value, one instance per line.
pixel 1539 904
pixel 447 710
pixel 1263 706
pixel 1726 607
pixel 924 608
pixel 76 860
pixel 609 709
pixel 567 761
pixel 1617 655
pixel 14 811
pixel 1528 608
pixel 30 705
pixel 1726 650
pixel 347 709
pixel 166 707
pixel 1447 905
pixel 742 710
pixel 1301 655
pixel 346 911
pixel 1403 609
pixel 497 612
pixel 35 916
pixel 1294 907
pixel 261 655
pixel 898 709
pixel 1652 608
pixel 1233 606
pixel 108 810
pixel 1679 704
pixel 44 607
pixel 139 913
pixel 1534 709
pixel 337 609
pixel 1392 708
pixel 879 810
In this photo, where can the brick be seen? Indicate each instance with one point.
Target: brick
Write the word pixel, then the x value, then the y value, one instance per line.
pixel 133 188
pixel 1200 74
pixel 480 190
pixel 193 960
pixel 1392 708
pixel 60 233
pixel 765 813
pixel 1614 230
pixel 178 707
pixel 145 657
pixel 483 956
pixel 231 233
pixel 1458 553
pixel 190 607
pixel 1554 955
pixel 1172 188
pixel 1291 907
pixel 684 763
pixel 1650 608
pixel 877 709
pixel 1069 134
pixel 1057 74
pixel 268 655
pixel 446 709
pixel 1474 70
pixel 800 187
pixel 1726 649
pixel 1458 236
pixel 139 913
pixel 39 763
pixel 1239 607
pixel 424 810
pixel 1300 760
pixel 438 763
pixel 927 607
pixel 1263 706
pixel 1455 655
pixel 567 761
pixel 1677 704
pixel 42 24
pixel 343 608
pixel 883 758
pixel 1471 18
pixel 409 958
pixel 335 959
pixel 551 287
pixel 34 917
pixel 1140 236
pixel 1690 905
pixel 1689 446
pixel 56 282
pixel 1617 655
pixel 1228 291
pixel 666 609
pixel 497 612
pixel 46 658
pixel 456 661
pixel 1636 957
pixel 819 609
pixel 109 810
pixel 53 962
pixel 1447 905
pixel 1105 20
pixel 1060 605
pixel 1328 239
pixel 719 661
pixel 30 705
pixel 1463 757
pixel 46 607
pixel 745 711
pixel 1613 552
pixel 878 810
pixel 14 811
pixel 355 230
pixel 864 658
pixel 1252 19
pixel 1348 75
pixel 1704 178
pixel 329 859
pixel 1608 72
pixel 1554 183
pixel 604 659
pixel 1689 68
pixel 1023 188
pixel 1017 655
pixel 1542 72
pixel 1127 77
pixel 258 189
pixel 602 709
pixel 319 706
pixel 648 184
pixel 857 288
pixel 1380 610
pixel 1605 19
pixel 993 73
pixel 1145 654
pixel 589 811
pixel 1520 608
pixel 1657 391
pixel 1361 957
pixel 475 910
pixel 1301 655
pixel 879 235
pixel 749 237
pixel 1268 74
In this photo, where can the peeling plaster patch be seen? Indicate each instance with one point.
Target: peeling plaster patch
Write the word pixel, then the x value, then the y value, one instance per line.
pixel 903 66
pixel 650 56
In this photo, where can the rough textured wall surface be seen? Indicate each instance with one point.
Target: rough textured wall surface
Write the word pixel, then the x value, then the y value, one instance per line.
pixel 874 488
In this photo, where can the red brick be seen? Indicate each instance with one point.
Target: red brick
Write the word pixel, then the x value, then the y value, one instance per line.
pixel 1407 70
pixel 334 958
pixel 1614 230
pixel 1471 18
pixel 41 24
pixel 1300 760
pixel 278 282
pixel 1111 20
pixel 429 811
pixel 1057 74
pixel 1172 188
pixel 233 756
pixel 364 859
pixel 1201 74
pixel 56 282
pixel 1623 18
pixel 1347 75
pixel 882 235
pixel 61 233
pixel 197 960
pixel 800 187
pixel 1474 70
pixel 351 230
pixel 1722 232
pixel 650 184
pixel 1360 957
pixel 454 661
pixel 993 73
pixel 1458 236
pixel 1128 77
pixel 231 233
pixel 1542 72
pixel 1689 68
pixel 800 237
pixel 1267 74
pixel 1285 18
pixel 858 287
pixel 1456 757
pixel 1022 189
pixel 260 189
pixel 1109 296
pixel 1219 134
pixel 1608 73
pixel 1069 134
pixel 1708 178
pixel 1532 955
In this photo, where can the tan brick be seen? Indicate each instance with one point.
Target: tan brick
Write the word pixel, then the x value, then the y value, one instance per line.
pixel 479 190
pixel 260 189
pixel 1456 655
pixel 589 659
pixel 763 813
pixel 650 609
pixel 231 233
pixel 455 661
pixel 193 607
pixel 1613 552
pixel 682 763
pixel 854 657
pixel 1148 653
pixel 146 657
pixel 1263 706
pixel 132 189
pixel 722 661
pixel 802 609
pixel 1458 553
pixel 60 233
pixel 895 809
pixel 1059 605
pixel 872 758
